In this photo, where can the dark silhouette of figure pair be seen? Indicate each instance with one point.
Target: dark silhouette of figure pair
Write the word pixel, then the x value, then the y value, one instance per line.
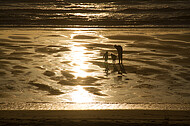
pixel 105 56
pixel 114 57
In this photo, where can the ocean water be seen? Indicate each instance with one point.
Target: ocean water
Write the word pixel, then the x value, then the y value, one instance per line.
pixel 95 13
pixel 51 54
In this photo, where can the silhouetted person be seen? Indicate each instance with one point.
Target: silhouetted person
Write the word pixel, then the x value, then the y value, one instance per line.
pixel 120 52
pixel 114 57
pixel 105 56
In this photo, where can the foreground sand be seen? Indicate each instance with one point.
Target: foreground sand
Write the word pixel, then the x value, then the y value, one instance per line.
pixel 67 65
pixel 95 117
pixel 63 65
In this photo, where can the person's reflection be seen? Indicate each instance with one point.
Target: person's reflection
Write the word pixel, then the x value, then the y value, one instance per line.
pixel 114 57
pixel 106 68
pixel 115 69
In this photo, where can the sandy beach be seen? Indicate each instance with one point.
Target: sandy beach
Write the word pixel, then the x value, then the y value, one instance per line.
pixel 67 65
pixel 44 66
pixel 96 118
pixel 60 62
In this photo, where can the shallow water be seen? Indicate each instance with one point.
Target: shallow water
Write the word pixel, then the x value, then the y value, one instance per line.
pixel 93 13
pixel 67 66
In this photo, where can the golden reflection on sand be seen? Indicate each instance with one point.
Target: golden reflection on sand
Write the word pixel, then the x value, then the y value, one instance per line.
pixel 80 55
pixel 80 95
pixel 78 60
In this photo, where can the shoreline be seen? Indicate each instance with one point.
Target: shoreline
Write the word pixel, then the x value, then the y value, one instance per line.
pixel 67 106
pixel 97 26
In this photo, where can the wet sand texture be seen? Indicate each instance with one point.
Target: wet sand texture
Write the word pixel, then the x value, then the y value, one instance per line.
pixel 51 65
pixel 96 118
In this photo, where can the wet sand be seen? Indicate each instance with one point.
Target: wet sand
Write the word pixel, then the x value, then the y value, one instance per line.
pixel 56 65
pixel 96 118
pixel 67 65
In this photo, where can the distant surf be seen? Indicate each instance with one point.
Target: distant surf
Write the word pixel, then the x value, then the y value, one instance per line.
pixel 83 13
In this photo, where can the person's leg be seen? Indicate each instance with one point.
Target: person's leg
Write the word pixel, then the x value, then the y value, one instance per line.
pixel 119 59
pixel 120 56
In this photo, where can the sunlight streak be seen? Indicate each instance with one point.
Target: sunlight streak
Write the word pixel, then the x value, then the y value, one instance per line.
pixel 78 61
pixel 80 95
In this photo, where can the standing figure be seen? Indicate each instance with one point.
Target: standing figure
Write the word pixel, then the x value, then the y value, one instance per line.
pixel 105 56
pixel 120 52
pixel 114 57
